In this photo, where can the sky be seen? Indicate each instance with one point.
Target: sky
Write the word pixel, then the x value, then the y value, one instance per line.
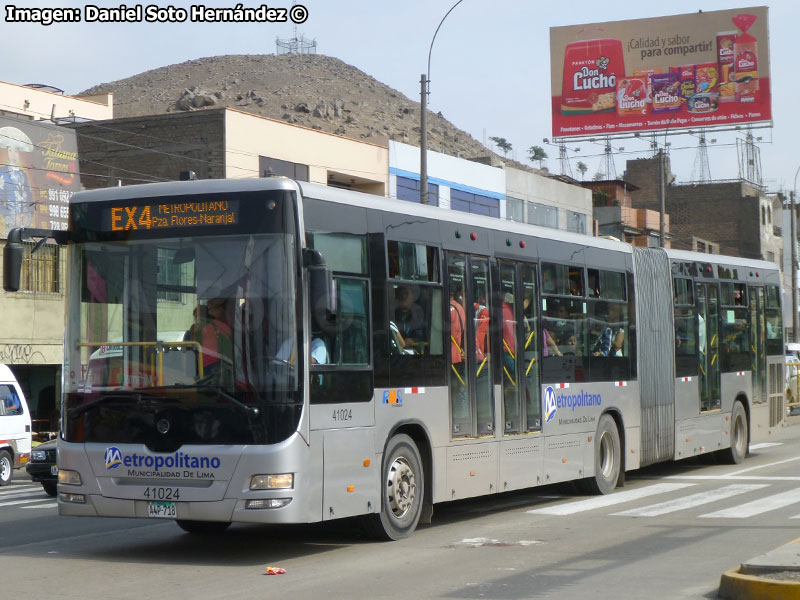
pixel 489 71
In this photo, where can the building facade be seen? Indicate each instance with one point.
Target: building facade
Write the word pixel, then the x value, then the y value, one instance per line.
pixel 38 175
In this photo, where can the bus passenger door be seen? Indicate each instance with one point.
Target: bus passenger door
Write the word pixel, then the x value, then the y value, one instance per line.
pixel 758 344
pixel 708 345
pixel 471 390
pixel 521 348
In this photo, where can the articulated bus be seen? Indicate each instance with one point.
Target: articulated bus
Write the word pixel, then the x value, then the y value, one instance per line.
pixel 269 351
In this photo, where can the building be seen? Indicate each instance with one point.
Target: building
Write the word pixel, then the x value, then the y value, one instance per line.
pixel 454 183
pixel 729 217
pixel 38 174
pixel 224 143
pixel 616 217
pixel 554 201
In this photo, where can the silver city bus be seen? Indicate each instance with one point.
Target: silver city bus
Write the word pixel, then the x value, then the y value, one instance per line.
pixel 350 355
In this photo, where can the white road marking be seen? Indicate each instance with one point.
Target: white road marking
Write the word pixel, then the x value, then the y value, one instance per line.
pixel 15 502
pixel 691 501
pixel 780 462
pixel 728 478
pixel 609 500
pixel 757 507
pixel 765 445
pixel 48 505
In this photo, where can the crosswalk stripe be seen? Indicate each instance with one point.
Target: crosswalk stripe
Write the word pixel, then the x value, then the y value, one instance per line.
pixel 610 499
pixel 15 502
pixel 757 506
pixel 690 501
pixel 48 505
pixel 19 492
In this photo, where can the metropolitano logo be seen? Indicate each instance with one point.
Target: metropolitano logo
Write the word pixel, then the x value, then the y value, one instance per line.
pixel 113 457
pixel 549 404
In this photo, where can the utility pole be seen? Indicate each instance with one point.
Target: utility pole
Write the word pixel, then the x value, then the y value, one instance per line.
pixel 792 220
pixel 423 139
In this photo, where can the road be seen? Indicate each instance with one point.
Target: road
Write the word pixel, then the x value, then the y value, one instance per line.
pixel 669 533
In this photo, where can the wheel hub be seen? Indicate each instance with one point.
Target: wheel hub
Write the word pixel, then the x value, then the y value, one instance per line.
pixel 401 486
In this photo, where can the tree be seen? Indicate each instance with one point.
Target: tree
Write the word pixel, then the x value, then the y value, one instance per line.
pixel 582 168
pixel 502 143
pixel 537 154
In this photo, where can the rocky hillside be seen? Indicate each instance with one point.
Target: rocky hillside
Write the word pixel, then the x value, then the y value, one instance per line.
pixel 311 90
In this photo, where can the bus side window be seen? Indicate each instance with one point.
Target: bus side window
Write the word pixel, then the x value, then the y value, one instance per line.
pixel 685 330
pixel 414 326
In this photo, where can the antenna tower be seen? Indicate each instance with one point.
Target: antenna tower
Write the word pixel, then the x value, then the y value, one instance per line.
pixel 610 169
pixel 701 172
pixel 563 159
pixel 297 44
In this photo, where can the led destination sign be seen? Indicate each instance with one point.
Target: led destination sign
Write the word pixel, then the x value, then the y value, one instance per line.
pixel 171 215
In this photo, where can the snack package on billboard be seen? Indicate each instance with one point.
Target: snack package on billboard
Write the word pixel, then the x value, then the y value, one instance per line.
pixel 633 95
pixel 591 70
pixel 648 72
pixel 703 103
pixel 745 60
pixel 665 92
pixel 706 78
pixel 686 76
pixel 727 87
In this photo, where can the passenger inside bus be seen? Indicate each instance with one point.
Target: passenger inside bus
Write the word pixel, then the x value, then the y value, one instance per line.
pixel 217 341
pixel 458 385
pixel 409 324
pixel 601 334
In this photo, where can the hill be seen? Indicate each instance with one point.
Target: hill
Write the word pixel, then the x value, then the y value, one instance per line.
pixel 312 90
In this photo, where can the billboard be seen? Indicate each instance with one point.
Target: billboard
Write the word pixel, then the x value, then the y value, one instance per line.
pixel 703 69
pixel 38 174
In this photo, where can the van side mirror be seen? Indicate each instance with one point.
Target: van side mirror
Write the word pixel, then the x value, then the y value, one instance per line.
pixel 12 260
pixel 320 285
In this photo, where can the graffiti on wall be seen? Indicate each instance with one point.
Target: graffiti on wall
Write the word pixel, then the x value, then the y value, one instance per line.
pixel 20 354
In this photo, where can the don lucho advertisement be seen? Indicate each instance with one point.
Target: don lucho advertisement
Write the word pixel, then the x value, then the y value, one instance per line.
pixel 38 175
pixel 696 70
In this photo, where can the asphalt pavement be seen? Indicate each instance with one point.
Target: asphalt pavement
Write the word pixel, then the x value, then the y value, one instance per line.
pixel 774 575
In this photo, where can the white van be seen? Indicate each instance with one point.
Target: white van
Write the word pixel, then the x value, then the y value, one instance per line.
pixel 15 426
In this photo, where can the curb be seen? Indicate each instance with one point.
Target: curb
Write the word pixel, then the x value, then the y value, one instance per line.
pixel 736 586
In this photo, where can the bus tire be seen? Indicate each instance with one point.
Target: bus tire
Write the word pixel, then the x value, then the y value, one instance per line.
pixel 203 527
pixel 402 491
pixel 607 457
pixel 738 432
pixel 6 467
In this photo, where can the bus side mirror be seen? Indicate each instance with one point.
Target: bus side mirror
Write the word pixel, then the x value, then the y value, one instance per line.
pixel 12 260
pixel 320 285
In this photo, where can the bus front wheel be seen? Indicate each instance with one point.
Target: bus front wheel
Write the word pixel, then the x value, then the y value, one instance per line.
pixel 402 491
pixel 607 457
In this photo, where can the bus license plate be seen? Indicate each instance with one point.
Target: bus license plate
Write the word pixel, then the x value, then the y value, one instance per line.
pixel 161 510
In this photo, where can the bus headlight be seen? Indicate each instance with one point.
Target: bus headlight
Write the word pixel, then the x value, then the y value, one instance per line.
pixel 283 481
pixel 69 477
pixel 268 503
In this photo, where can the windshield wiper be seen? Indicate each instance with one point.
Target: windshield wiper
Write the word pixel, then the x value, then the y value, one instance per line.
pixel 200 383
pixel 79 410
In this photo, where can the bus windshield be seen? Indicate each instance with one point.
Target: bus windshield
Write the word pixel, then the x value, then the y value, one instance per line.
pixel 185 340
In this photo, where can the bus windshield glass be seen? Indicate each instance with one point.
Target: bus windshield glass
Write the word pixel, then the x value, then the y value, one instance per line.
pixel 184 340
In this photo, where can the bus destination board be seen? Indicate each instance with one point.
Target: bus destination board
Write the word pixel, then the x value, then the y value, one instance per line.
pixel 172 215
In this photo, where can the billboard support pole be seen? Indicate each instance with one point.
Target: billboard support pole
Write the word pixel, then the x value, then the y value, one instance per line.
pixel 662 198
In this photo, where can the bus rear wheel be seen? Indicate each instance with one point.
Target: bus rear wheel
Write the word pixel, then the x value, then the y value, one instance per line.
pixel 738 432
pixel 203 527
pixel 6 467
pixel 402 491
pixel 607 458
